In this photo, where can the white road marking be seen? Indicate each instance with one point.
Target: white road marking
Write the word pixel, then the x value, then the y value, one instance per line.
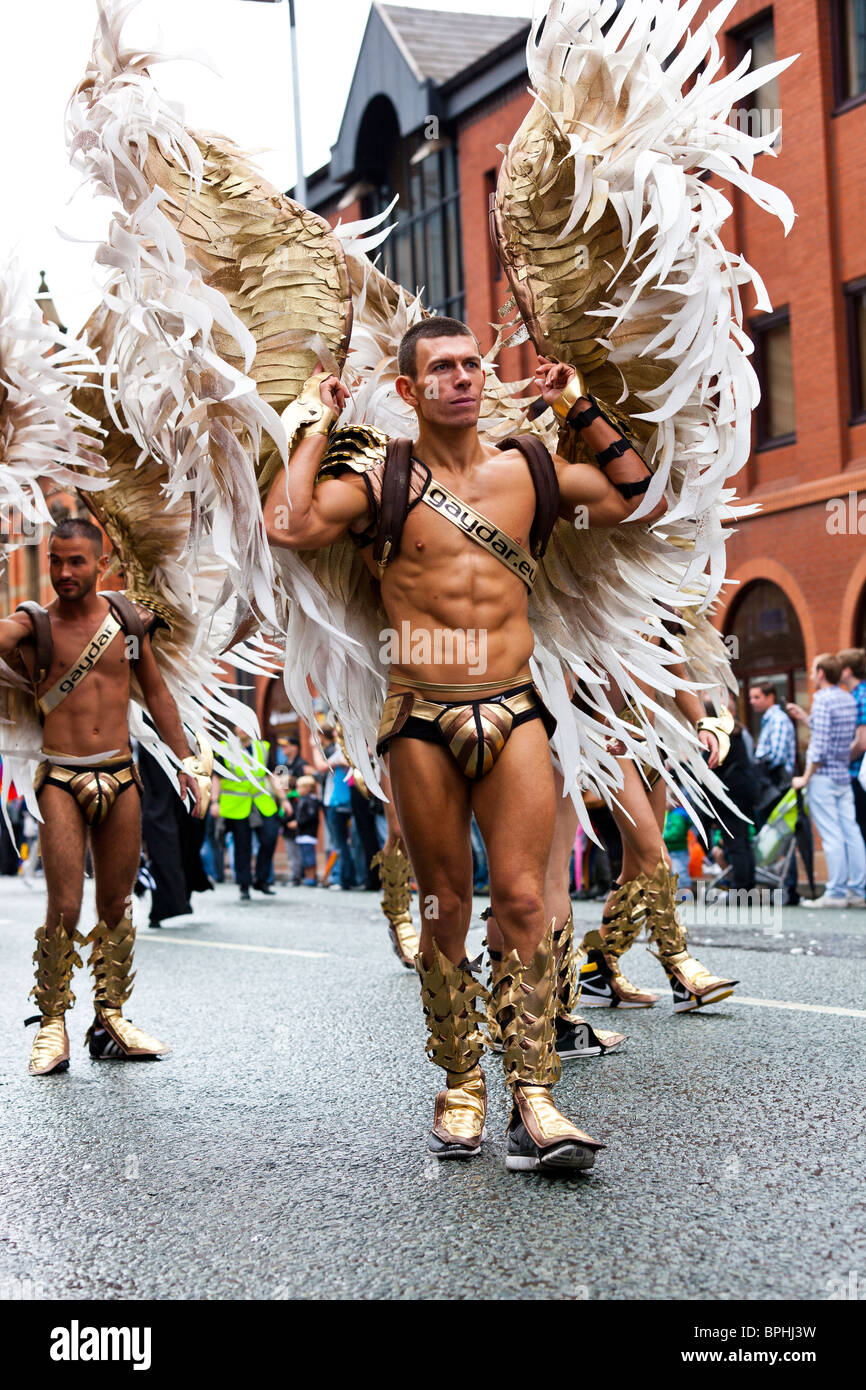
pixel 323 955
pixel 798 1008
pixel 231 946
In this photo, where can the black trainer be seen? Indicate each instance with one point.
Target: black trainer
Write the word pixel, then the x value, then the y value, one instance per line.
pixel 577 1038
pixel 523 1155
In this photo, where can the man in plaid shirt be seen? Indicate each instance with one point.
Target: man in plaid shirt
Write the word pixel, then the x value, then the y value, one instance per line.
pixel 777 742
pixel 832 725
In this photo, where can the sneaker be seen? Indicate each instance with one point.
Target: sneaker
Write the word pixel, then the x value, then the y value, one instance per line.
pixel 855 899
pixel 245 895
pixel 574 1151
pixel 577 1038
pixel 603 985
pixel 823 901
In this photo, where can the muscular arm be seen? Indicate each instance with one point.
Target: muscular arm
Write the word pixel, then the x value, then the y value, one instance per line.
pixel 301 515
pixel 13 631
pixel 581 485
pixel 163 712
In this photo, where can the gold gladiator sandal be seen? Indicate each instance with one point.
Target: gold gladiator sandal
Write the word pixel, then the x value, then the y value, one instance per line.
pixel 539 1137
pixel 449 994
pixel 692 984
pixel 55 958
pixel 603 985
pixel 575 1036
pixel 111 1037
pixel 395 872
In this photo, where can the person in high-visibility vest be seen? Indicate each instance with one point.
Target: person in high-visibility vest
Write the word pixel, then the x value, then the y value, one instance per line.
pixel 247 808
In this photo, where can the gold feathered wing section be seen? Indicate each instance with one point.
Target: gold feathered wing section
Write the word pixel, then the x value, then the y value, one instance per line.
pixel 225 295
pixel 611 236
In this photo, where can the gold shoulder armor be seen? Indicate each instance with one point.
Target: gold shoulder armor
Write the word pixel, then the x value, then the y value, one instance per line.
pixel 358 447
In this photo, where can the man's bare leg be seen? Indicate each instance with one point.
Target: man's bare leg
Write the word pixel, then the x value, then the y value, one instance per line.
pixel 515 808
pixel 432 800
pixel 116 847
pixel 575 1037
pixel 63 844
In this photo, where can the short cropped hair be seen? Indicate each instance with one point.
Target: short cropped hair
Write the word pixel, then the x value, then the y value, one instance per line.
pixel 830 665
pixel 72 526
pixel 435 327
pixel 766 688
pixel 855 657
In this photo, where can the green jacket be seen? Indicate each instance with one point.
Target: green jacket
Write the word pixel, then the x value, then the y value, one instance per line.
pixel 237 797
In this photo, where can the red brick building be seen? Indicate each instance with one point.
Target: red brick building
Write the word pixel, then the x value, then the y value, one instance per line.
pixel 432 97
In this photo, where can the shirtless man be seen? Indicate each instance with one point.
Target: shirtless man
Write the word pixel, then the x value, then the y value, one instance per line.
pixel 462 563
pixel 78 654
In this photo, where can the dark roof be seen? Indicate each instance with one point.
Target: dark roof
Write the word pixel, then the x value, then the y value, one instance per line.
pixel 438 45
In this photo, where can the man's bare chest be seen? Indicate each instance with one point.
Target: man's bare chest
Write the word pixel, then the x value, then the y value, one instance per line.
pixel 97 654
pixel 452 509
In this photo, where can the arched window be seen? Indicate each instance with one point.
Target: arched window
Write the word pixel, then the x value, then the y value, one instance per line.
pixel 767 645
pixel 424 249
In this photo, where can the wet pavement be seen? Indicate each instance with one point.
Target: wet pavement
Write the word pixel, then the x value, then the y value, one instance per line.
pixel 279 1152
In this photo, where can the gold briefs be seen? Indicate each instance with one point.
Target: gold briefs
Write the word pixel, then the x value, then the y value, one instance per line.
pixel 95 788
pixel 474 731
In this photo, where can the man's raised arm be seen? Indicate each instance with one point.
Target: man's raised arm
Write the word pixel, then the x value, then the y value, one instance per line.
pixel 614 490
pixel 300 515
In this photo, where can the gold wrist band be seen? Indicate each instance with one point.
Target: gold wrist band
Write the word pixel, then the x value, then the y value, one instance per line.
pixel 568 399
pixel 323 424
pixel 721 727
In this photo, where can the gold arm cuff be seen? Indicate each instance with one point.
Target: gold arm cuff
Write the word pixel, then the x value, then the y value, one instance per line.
pixel 323 425
pixel 568 399
pixel 722 726
pixel 200 766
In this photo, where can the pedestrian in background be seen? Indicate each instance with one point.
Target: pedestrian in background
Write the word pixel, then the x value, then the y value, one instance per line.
pixel 337 801
pixel 737 776
pixel 307 817
pixel 832 725
pixel 853 679
pixel 249 809
pixel 775 766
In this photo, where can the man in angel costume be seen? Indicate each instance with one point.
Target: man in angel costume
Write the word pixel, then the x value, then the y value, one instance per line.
pixel 466 559
pixel 244 325
pixel 78 654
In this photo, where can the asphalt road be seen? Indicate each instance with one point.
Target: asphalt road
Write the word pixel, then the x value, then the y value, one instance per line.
pixel 279 1152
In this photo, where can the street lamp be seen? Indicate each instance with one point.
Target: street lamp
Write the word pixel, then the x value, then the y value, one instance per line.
pixel 300 177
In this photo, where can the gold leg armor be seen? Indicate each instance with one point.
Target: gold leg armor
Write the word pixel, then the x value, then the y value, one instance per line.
pixel 575 1036
pixel 395 872
pixel 539 1137
pixel 603 985
pixel 55 958
pixel 692 984
pixel 111 1036
pixel 449 994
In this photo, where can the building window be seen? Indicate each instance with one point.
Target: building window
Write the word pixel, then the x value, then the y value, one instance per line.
pixel 768 645
pixel 424 250
pixel 855 305
pixel 775 418
pixel 849 49
pixel 759 113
